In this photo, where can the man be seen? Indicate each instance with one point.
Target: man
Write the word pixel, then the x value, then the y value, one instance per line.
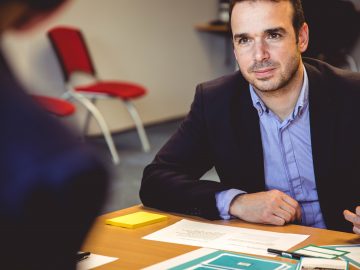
pixel 278 132
pixel 51 187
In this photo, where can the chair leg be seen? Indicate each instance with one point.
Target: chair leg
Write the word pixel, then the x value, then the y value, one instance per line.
pixel 88 117
pixel 139 126
pixel 102 124
pixel 66 95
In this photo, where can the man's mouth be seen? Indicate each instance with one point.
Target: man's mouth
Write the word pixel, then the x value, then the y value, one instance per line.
pixel 264 73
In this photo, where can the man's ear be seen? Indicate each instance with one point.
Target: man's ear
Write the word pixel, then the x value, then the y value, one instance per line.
pixel 303 37
pixel 234 50
pixel 234 54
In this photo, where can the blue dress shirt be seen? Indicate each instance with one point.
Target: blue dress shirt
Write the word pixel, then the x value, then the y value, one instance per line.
pixel 287 156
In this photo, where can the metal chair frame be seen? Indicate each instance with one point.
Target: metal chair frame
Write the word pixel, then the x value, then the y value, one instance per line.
pixel 88 101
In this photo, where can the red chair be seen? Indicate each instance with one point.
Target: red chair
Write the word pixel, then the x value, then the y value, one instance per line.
pixel 71 50
pixel 56 106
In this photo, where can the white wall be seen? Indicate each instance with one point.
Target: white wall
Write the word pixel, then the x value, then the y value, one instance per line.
pixel 151 42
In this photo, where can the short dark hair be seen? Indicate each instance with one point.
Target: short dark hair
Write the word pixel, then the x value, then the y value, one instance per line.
pixel 298 16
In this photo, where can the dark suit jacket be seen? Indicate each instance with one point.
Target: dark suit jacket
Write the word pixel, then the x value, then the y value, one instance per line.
pixel 51 187
pixel 222 130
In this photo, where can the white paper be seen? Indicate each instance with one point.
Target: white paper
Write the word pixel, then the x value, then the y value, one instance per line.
pixel 316 263
pixel 93 261
pixel 315 254
pixel 324 250
pixel 226 237
pixel 353 257
pixel 354 253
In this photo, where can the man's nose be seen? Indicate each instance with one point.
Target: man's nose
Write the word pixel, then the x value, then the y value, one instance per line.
pixel 261 51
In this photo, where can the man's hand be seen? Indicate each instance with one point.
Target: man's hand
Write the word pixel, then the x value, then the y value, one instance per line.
pixel 269 207
pixel 354 218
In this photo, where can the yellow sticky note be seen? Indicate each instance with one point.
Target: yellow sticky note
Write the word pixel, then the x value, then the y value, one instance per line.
pixel 135 220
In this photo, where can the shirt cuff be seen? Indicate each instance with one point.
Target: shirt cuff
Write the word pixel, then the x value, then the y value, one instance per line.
pixel 223 200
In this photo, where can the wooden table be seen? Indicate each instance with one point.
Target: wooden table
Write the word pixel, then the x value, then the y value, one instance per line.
pixel 136 253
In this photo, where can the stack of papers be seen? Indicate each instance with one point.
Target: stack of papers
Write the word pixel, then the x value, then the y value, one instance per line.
pixel 226 237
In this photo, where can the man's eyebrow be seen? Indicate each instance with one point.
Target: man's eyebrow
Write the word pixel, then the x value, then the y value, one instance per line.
pixel 241 35
pixel 267 31
pixel 275 30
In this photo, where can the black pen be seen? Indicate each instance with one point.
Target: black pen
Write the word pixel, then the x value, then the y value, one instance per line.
pixel 82 255
pixel 287 254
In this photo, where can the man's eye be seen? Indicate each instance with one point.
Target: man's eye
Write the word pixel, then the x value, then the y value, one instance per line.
pixel 274 36
pixel 243 40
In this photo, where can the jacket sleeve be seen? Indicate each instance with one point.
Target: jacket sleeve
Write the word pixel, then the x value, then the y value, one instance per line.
pixel 172 181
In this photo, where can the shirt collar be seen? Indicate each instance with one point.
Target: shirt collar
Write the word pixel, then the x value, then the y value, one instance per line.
pixel 301 103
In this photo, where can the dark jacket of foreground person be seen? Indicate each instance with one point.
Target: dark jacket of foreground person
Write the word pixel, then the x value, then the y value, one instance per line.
pixel 51 186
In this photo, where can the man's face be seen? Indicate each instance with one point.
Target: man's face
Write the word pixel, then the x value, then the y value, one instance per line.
pixel 265 44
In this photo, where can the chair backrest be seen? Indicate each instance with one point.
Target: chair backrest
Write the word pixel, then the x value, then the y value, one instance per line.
pixel 71 50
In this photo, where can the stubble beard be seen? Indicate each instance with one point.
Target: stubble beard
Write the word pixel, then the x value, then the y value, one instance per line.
pixel 274 85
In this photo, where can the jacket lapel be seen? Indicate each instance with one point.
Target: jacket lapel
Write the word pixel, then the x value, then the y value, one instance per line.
pixel 245 122
pixel 322 125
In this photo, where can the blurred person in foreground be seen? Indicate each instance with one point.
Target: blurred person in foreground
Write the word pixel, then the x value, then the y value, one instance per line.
pixel 282 132
pixel 51 187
